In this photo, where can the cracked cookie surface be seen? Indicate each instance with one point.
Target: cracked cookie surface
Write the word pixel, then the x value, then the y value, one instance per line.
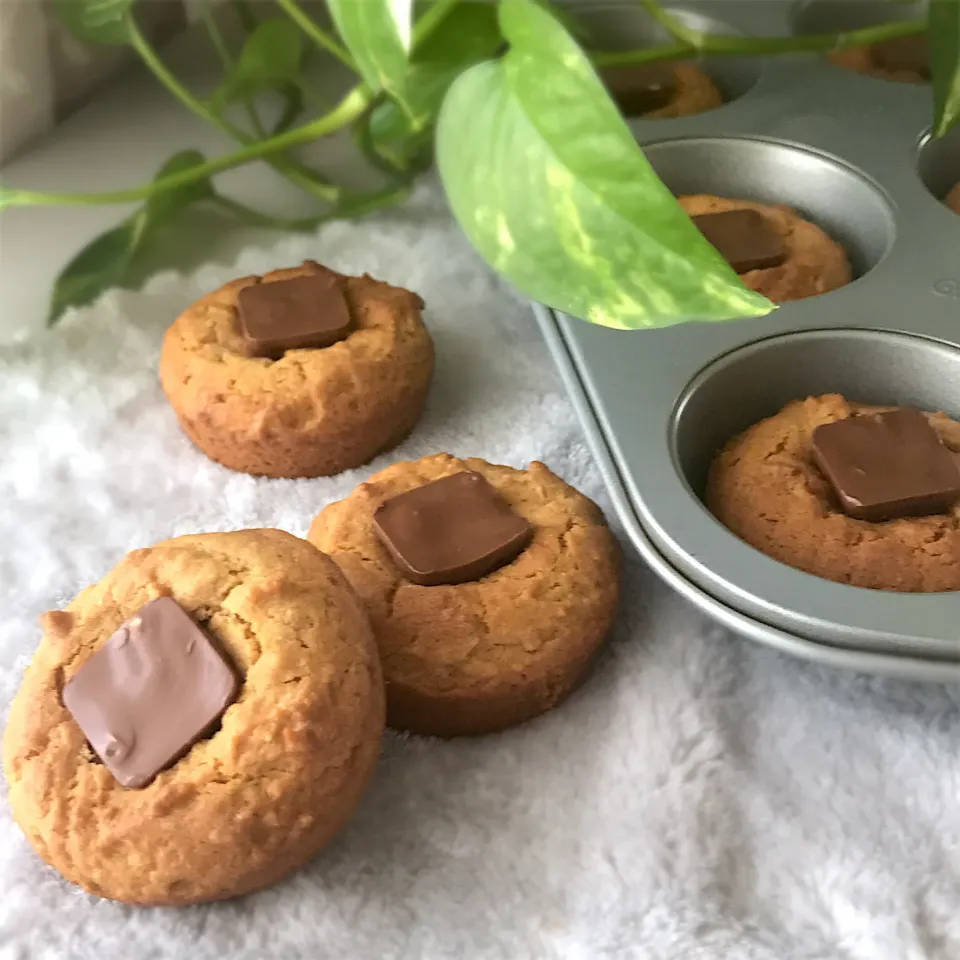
pixel 815 262
pixel 765 487
pixel 476 657
pixel 314 412
pixel 266 790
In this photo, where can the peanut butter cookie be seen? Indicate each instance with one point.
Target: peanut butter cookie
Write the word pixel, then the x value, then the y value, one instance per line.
pixel 270 400
pixel 953 199
pixel 904 60
pixel 814 264
pixel 267 787
pixel 475 651
pixel 766 487
pixel 661 91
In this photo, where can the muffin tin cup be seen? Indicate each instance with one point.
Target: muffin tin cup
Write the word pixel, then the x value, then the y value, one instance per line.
pixel 616 26
pixel 939 163
pixel 833 16
pixel 897 664
pixel 663 402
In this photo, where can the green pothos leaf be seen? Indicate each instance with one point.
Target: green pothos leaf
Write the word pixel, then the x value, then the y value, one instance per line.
pixel 96 21
pixel 581 223
pixel 377 33
pixel 106 261
pixel 944 33
pixel 101 264
pixel 469 33
pixel 271 59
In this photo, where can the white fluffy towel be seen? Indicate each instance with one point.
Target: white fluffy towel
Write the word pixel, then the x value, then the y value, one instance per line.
pixel 699 797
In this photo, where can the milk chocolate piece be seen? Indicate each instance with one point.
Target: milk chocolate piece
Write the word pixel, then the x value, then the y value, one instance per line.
pixel 305 312
pixel 638 88
pixel 744 238
pixel 155 688
pixel 888 465
pixel 904 54
pixel 452 530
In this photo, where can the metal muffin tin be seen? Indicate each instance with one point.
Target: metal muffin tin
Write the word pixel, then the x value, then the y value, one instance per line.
pixel 851 153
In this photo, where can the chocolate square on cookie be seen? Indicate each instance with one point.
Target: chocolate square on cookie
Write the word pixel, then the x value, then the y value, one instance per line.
pixel 450 531
pixel 152 691
pixel 886 466
pixel 295 314
pixel 746 239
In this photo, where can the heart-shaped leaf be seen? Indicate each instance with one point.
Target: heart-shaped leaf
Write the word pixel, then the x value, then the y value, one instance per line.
pixel 106 261
pixel 102 264
pixel 944 33
pixel 271 59
pixel 550 186
pixel 377 33
pixel 469 33
pixel 96 21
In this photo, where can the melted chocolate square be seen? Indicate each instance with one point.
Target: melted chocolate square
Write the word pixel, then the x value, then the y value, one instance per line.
pixel 746 239
pixel 639 88
pixel 153 690
pixel 452 530
pixel 301 313
pixel 888 465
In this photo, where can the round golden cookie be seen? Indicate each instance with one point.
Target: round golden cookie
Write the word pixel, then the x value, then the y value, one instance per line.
pixel 476 657
pixel 815 263
pixel 766 488
pixel 313 412
pixel 953 199
pixel 862 60
pixel 695 93
pixel 262 794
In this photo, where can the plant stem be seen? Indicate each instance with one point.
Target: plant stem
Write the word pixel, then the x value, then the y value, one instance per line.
pixel 320 37
pixel 227 62
pixel 159 69
pixel 296 173
pixel 353 207
pixel 676 28
pixel 349 108
pixel 390 166
pixel 747 46
pixel 254 217
pixel 614 58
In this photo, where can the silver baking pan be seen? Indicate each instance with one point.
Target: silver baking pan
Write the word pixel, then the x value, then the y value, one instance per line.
pixel 852 154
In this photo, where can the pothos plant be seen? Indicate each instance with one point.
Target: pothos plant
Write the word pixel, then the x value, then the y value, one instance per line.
pixel 539 167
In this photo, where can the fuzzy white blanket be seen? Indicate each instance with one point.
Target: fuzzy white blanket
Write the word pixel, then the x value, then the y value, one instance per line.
pixel 699 797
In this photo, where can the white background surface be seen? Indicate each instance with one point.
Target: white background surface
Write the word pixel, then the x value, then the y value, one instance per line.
pixel 117 141
pixel 698 798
